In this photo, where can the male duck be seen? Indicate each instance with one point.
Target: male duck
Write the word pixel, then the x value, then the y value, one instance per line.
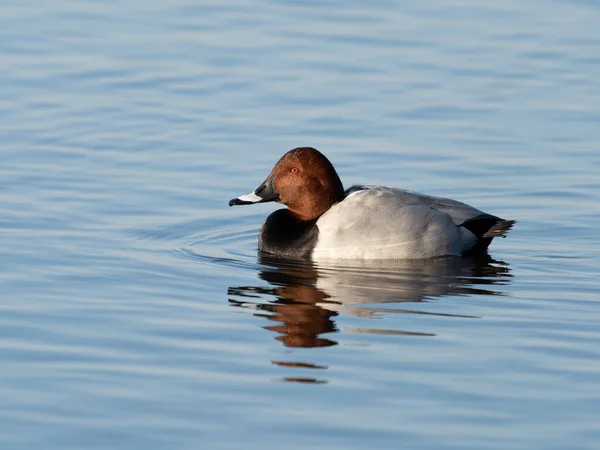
pixel 323 221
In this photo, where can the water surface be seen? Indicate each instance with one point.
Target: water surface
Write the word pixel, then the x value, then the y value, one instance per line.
pixel 135 310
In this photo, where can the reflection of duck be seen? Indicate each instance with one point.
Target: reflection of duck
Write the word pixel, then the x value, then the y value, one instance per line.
pixel 308 297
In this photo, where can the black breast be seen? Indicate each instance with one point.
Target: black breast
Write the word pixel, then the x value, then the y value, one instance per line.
pixel 284 235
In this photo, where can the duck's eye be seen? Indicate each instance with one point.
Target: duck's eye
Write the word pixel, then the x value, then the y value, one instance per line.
pixel 294 170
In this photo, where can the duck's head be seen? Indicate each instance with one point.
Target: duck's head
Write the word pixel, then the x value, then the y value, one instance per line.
pixel 304 180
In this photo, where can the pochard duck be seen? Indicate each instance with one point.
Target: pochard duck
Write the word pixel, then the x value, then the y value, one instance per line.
pixel 323 221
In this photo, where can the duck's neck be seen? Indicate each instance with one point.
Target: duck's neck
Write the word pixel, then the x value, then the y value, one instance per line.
pixel 285 235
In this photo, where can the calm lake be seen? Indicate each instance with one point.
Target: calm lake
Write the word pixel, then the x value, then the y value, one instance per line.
pixel 135 312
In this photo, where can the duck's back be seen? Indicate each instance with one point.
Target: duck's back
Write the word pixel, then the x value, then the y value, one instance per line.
pixel 375 222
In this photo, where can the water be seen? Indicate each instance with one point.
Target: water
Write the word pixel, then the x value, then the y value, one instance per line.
pixel 135 311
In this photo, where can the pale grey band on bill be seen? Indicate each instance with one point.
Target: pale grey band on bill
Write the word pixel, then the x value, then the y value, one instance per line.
pixel 264 193
pixel 250 197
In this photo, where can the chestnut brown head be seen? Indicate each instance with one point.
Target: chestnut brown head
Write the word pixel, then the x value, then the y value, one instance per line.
pixel 304 180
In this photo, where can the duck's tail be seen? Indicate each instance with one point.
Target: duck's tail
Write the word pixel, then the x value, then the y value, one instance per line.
pixel 499 229
pixel 486 227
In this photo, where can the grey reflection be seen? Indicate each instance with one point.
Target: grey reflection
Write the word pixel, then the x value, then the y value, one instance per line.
pixel 302 300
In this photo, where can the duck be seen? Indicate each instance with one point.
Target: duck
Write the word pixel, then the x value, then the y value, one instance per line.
pixel 323 221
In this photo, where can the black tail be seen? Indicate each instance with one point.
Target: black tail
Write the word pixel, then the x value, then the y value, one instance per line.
pixel 499 229
pixel 486 227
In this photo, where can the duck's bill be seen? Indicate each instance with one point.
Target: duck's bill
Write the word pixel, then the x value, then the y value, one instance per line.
pixel 264 193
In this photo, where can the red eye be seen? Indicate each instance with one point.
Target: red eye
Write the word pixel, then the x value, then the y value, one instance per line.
pixel 294 170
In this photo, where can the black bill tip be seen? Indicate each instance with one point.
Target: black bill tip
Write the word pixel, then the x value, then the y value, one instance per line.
pixel 237 201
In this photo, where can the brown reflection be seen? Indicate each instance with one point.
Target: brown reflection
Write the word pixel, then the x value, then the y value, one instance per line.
pixel 302 300
pixel 299 320
pixel 298 364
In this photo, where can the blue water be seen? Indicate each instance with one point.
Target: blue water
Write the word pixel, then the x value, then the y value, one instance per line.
pixel 134 309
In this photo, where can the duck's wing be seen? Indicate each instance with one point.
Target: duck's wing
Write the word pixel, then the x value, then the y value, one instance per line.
pixel 378 222
pixel 382 223
pixel 458 211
